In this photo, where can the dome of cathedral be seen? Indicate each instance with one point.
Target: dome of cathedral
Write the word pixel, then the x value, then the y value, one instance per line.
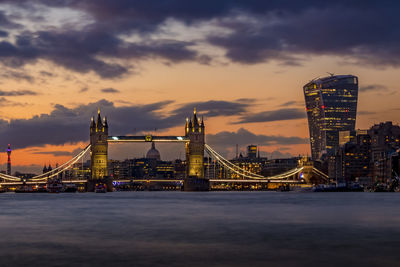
pixel 153 153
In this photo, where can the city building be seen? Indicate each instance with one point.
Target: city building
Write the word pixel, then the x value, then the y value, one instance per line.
pixel 146 168
pixel 385 141
pixel 277 166
pixel 367 156
pixel 352 161
pixel 153 153
pixel 252 151
pixel 252 163
pixel 78 171
pixel 331 106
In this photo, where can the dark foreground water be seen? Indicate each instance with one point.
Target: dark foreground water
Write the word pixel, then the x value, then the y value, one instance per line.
pixel 200 229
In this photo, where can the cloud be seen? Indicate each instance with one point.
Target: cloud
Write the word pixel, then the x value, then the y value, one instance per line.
pixel 3 34
pixel 57 153
pixel 123 102
pixel 284 36
pixel 365 112
pixel 16 75
pixel 373 88
pixel 214 108
pixel 223 141
pixel 17 93
pixel 278 154
pixel 273 115
pixel 7 103
pixel 5 23
pixel 244 137
pixel 70 125
pixel 47 74
pixel 110 90
pixel 118 34
pixel 291 103
pixel 81 51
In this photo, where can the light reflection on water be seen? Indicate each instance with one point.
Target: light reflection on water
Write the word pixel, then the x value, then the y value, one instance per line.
pixel 200 229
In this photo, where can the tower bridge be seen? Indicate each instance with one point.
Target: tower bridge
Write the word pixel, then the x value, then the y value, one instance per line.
pixel 195 147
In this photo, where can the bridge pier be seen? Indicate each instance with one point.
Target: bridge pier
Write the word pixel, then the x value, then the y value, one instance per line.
pixel 195 180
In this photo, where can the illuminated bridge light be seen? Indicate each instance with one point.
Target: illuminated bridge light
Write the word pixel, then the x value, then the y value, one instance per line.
pixel 115 138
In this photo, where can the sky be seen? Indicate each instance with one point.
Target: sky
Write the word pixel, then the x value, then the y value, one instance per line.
pixel 147 64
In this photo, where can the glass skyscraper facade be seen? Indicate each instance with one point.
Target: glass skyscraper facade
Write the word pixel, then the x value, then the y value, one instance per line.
pixel 331 105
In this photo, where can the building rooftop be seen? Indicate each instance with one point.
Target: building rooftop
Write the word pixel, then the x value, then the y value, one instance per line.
pixel 319 81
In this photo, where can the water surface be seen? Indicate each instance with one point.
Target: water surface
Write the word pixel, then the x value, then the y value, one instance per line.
pixel 200 229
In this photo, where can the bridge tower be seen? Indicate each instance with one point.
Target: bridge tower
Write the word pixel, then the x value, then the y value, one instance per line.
pixel 194 131
pixel 98 150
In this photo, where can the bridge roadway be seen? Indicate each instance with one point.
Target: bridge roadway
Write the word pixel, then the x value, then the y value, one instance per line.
pixel 161 181
pixel 147 138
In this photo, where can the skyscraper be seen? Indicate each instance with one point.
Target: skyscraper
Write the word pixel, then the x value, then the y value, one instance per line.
pixel 9 160
pixel 252 151
pixel 331 105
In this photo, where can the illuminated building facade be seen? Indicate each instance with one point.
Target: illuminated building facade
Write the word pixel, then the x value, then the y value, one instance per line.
pixel 251 163
pixel 385 141
pixel 331 105
pixel 367 155
pixel 352 161
pixel 252 151
pixel 146 168
pixel 80 170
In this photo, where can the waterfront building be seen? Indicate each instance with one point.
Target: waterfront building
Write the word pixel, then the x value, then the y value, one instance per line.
pixel 385 141
pixel 353 159
pixel 179 169
pixel 251 163
pixel 331 106
pixel 79 170
pixel 210 168
pixel 367 156
pixel 118 169
pixel 146 168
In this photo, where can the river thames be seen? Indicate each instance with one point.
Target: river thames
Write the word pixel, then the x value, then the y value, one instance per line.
pixel 200 229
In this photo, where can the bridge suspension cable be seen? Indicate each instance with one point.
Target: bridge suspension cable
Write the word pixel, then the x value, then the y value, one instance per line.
pixel 56 171
pixel 247 174
pixel 325 176
pixel 224 161
pixel 9 177
pixel 62 167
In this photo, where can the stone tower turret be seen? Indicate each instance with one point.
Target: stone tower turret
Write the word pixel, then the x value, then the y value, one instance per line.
pixel 194 131
pixel 99 148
